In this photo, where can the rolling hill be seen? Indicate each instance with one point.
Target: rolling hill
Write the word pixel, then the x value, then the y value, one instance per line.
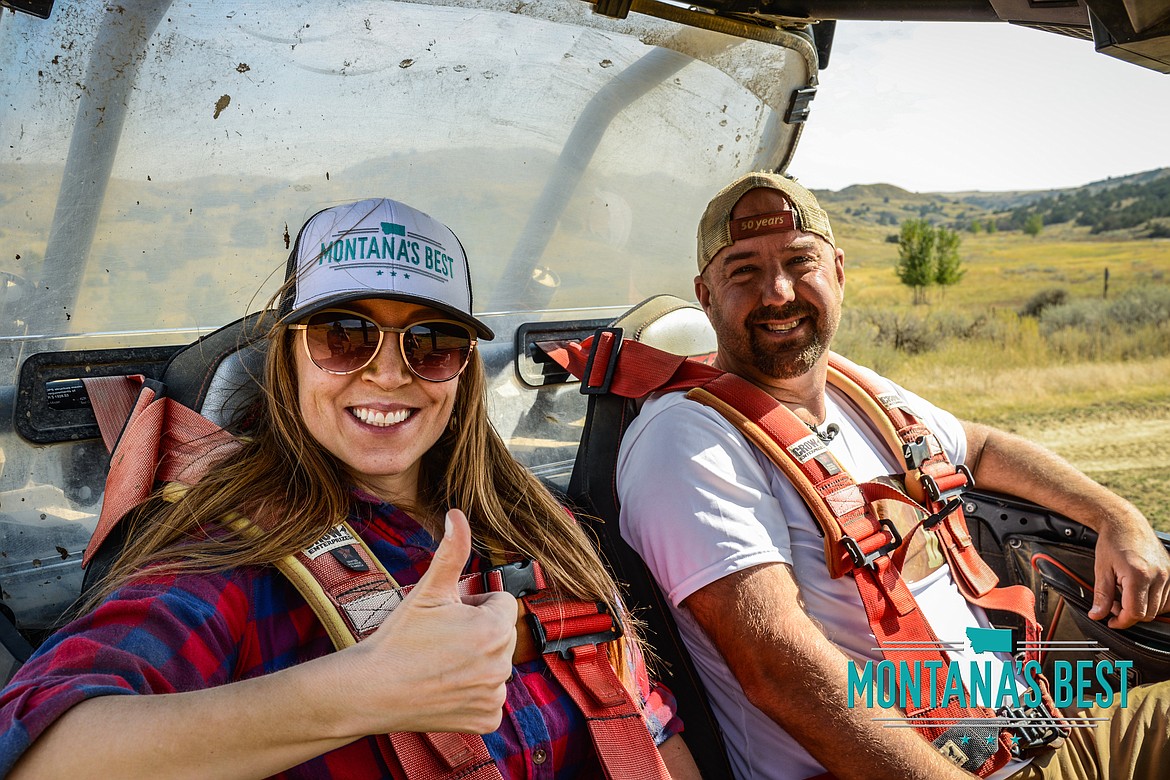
pixel 1134 206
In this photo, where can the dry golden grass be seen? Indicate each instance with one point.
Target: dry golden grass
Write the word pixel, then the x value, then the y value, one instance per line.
pixel 1100 398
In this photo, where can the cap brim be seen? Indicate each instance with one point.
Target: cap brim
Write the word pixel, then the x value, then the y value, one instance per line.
pixel 482 331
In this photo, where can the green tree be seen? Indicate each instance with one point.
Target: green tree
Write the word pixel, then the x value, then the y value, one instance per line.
pixel 916 252
pixel 976 226
pixel 928 255
pixel 1033 225
pixel 948 266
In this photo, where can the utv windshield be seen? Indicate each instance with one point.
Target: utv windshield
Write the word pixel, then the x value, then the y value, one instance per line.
pixel 159 158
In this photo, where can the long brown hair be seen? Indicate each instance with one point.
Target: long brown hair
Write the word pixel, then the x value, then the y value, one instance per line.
pixel 281 471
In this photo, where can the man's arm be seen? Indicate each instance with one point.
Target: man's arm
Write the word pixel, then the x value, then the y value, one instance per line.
pixel 1132 569
pixel 797 677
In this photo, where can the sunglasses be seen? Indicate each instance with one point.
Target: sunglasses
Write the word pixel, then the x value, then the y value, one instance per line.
pixel 342 342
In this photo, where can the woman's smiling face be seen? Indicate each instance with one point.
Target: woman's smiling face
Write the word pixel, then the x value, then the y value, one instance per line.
pixel 380 420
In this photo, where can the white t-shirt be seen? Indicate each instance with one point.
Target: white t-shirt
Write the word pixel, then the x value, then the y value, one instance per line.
pixel 698 503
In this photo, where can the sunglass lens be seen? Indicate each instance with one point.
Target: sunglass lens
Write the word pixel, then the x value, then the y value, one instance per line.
pixel 341 343
pixel 437 351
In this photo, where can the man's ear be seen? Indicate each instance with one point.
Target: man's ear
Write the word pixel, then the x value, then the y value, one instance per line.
pixel 839 267
pixel 703 293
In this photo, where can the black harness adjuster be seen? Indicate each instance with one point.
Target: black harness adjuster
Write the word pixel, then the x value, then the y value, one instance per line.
pixel 860 559
pixel 520 578
pixel 610 366
pixel 565 645
pixel 947 510
pixel 938 494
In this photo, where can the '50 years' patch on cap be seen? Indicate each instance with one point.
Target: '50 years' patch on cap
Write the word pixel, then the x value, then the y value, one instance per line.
pixel 718 230
pixel 378 248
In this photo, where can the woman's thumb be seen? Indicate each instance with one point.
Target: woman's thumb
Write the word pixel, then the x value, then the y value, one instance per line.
pixel 441 580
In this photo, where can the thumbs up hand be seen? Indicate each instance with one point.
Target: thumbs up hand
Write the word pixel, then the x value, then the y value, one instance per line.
pixel 441 660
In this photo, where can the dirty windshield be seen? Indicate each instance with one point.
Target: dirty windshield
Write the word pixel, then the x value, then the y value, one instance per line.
pixel 160 157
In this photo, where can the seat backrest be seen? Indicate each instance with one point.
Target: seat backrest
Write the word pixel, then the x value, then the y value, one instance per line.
pixel 673 325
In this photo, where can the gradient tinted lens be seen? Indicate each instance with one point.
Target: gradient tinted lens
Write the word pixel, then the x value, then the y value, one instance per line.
pixel 436 350
pixel 343 343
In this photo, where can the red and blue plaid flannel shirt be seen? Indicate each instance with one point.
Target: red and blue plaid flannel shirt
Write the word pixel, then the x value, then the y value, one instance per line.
pixel 170 634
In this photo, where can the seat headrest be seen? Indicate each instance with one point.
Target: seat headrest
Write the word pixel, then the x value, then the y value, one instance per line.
pixel 220 374
pixel 670 324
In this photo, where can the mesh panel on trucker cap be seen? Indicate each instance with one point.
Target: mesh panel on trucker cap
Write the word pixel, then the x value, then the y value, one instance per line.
pixel 378 248
pixel 715 226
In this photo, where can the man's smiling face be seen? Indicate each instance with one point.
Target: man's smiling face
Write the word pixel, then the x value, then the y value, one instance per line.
pixel 774 299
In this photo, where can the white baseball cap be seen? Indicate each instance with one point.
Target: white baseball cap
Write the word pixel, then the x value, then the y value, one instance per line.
pixel 378 248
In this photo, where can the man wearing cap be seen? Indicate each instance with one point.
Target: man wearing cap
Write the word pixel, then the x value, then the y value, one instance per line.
pixel 741 559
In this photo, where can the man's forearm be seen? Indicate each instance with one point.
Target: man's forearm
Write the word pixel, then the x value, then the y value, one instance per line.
pixel 1131 568
pixel 811 705
pixel 1007 463
pixel 797 677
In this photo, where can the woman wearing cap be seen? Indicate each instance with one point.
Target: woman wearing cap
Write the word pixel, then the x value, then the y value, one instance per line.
pixel 372 411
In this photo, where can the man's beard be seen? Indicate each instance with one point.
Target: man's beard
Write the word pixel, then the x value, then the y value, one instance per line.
pixel 794 359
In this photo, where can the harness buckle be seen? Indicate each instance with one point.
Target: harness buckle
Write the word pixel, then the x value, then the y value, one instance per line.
pixel 915 453
pixel 603 388
pixel 1035 727
pixel 565 645
pixel 938 494
pixel 520 578
pixel 861 559
pixel 942 514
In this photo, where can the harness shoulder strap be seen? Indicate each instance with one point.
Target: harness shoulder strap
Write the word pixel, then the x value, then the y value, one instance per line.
pixel 856 541
pixel 157 440
pixel 930 477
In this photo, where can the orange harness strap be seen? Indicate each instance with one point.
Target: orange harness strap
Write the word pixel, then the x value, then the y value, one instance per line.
pixel 573 637
pixel 940 484
pixel 856 541
pixel 151 439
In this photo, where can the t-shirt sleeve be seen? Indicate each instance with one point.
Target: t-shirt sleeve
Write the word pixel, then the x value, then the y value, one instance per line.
pixel 695 501
pixel 153 636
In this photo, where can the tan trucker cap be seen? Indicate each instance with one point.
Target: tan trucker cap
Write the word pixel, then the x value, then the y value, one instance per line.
pixel 717 230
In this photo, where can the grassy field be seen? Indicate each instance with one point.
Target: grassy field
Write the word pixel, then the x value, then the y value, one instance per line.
pixel 1090 379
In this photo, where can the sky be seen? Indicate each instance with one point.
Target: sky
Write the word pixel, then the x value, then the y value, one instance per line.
pixel 949 107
